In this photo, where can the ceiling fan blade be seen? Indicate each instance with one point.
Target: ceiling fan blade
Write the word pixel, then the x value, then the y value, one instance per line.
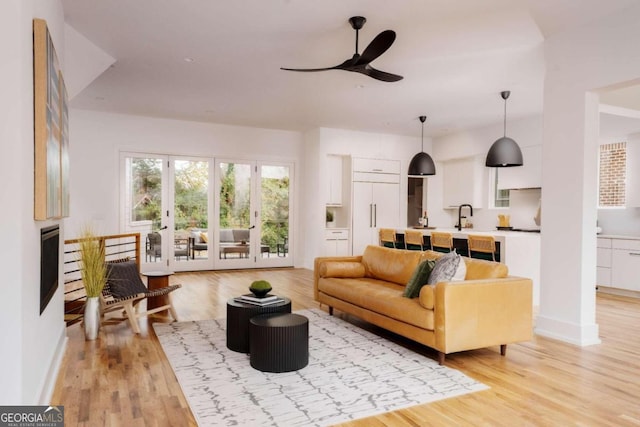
pixel 380 75
pixel 377 47
pixel 308 69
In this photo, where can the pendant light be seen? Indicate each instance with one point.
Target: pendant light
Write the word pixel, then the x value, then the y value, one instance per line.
pixel 422 164
pixel 504 152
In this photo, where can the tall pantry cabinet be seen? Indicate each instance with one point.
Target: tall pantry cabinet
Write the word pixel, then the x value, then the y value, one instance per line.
pixel 375 200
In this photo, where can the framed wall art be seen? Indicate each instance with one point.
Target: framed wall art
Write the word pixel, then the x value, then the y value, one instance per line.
pixel 51 129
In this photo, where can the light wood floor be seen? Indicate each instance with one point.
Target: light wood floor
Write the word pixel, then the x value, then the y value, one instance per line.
pixel 125 380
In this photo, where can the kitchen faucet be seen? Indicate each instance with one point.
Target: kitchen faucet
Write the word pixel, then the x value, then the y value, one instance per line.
pixel 460 214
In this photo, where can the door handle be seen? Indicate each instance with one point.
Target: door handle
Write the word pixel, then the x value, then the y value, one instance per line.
pixel 251 228
pixel 370 215
pixel 164 228
pixel 375 215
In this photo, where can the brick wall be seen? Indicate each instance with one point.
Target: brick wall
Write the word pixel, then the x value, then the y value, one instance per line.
pixel 613 170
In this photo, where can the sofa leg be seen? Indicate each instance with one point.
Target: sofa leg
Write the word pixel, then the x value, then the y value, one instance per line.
pixel 330 311
pixel 441 357
pixel 503 349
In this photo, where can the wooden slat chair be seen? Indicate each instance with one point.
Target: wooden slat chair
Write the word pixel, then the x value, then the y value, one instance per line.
pixel 441 242
pixel 125 289
pixel 388 237
pixel 483 247
pixel 414 240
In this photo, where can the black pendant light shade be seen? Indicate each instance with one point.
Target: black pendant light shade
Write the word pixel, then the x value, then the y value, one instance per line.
pixel 421 164
pixel 505 152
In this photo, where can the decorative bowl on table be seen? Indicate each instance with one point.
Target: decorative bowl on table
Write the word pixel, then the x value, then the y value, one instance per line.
pixel 260 288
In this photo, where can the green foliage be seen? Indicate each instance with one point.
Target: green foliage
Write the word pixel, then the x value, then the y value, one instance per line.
pixel 93 269
pixel 261 285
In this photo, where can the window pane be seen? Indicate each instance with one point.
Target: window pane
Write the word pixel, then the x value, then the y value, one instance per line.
pixel 274 201
pixel 612 174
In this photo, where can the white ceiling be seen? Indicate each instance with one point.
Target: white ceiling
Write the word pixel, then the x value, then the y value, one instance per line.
pixel 455 55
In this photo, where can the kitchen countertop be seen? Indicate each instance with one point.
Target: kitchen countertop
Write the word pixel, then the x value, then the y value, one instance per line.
pixel 617 236
pixel 462 234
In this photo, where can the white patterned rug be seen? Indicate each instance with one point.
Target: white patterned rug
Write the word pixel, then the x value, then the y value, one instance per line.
pixel 352 374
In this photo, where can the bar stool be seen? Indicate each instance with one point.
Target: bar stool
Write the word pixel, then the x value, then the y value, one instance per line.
pixel 441 242
pixel 414 240
pixel 483 247
pixel 388 237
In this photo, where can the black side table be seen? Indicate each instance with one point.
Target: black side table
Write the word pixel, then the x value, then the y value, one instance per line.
pixel 238 315
pixel 279 342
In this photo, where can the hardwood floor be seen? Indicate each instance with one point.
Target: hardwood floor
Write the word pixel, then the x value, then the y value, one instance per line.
pixel 123 379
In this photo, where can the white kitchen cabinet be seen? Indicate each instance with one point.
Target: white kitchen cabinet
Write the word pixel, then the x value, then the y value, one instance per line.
pixel 463 182
pixel 603 262
pixel 334 180
pixel 529 175
pixel 625 264
pixel 336 242
pixel 379 166
pixel 375 205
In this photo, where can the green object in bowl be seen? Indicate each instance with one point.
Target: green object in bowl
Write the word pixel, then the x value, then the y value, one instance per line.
pixel 260 288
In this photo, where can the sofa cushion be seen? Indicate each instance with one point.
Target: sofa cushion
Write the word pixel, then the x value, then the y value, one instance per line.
pixel 203 237
pixel 481 269
pixel 418 279
pixel 226 235
pixel 379 296
pixel 341 269
pixel 391 265
pixel 449 267
pixel 427 296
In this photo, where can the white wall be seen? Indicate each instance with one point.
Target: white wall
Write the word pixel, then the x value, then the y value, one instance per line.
pixel 30 343
pixel 579 62
pixel 526 132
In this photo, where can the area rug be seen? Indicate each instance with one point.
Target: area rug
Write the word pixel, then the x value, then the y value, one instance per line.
pixel 352 374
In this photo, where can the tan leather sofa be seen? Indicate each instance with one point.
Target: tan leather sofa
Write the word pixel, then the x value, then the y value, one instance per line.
pixel 487 308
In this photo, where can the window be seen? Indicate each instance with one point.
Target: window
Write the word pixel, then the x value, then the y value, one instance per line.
pixel 612 175
pixel 500 197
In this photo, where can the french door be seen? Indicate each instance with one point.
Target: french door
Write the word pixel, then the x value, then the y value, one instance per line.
pixel 194 216
pixel 253 211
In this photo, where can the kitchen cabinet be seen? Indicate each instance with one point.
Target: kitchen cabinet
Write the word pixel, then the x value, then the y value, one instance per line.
pixel 334 180
pixel 375 205
pixel 336 242
pixel 625 264
pixel 463 182
pixel 529 175
pixel 377 166
pixel 603 262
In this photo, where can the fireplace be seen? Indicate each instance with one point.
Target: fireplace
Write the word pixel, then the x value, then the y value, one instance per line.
pixel 49 263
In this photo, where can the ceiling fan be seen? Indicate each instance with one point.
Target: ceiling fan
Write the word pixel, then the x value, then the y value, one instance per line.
pixel 360 63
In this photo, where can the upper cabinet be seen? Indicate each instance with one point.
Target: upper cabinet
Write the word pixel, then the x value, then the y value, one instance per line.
pixel 463 182
pixel 529 175
pixel 376 166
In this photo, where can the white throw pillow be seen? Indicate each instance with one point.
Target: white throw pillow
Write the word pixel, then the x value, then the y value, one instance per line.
pixel 449 267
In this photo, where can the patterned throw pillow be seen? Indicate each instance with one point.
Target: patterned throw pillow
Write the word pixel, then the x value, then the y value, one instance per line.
pixel 418 279
pixel 124 279
pixel 448 267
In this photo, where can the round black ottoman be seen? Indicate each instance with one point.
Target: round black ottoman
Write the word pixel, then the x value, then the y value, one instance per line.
pixel 238 315
pixel 279 342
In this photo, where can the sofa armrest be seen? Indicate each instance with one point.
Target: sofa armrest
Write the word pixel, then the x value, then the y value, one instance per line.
pixel 480 313
pixel 318 262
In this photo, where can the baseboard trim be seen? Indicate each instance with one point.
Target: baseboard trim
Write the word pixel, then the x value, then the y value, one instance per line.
pixel 572 333
pixel 49 383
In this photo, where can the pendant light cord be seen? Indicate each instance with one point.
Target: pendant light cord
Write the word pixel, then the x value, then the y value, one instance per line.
pixel 505 117
pixel 422 139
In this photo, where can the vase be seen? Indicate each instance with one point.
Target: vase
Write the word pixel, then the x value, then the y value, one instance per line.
pixel 91 318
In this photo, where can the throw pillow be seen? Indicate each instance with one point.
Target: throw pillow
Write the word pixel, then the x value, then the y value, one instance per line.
pixel 203 237
pixel 448 267
pixel 124 279
pixel 418 279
